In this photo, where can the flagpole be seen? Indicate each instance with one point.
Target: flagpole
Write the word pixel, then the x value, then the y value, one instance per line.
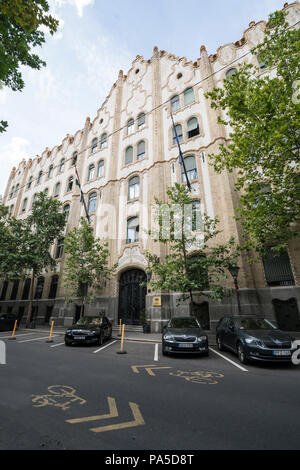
pixel 181 159
pixel 81 195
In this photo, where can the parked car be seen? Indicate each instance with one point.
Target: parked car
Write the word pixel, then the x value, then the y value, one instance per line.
pixel 7 321
pixel 89 330
pixel 184 335
pixel 254 338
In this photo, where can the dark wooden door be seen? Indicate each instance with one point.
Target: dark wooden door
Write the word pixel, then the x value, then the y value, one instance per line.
pixel 132 296
pixel 201 312
pixel 287 314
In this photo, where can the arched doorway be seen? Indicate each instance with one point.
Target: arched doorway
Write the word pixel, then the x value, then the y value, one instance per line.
pixel 132 295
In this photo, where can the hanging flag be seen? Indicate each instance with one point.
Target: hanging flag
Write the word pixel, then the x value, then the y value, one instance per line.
pixel 77 181
pixel 181 159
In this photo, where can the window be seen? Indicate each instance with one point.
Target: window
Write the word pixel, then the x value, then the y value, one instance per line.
pixel 188 96
pixel 11 209
pixel 178 128
pixel 17 189
pixel 103 141
pixel 39 177
pixel 94 145
pixel 91 172
pixel 278 271
pixel 50 171
pixel 62 165
pixel 4 289
pixel 70 184
pixel 74 159
pixel 29 182
pixel 26 288
pixel 141 150
pixel 141 120
pixel 230 72
pixel 34 199
pixel 24 205
pixel 191 169
pixel 192 127
pixel 132 230
pixel 130 126
pixel 261 63
pixel 53 286
pixel 134 188
pixel 39 288
pixel 66 211
pixel 92 203
pixel 57 189
pixel 100 169
pixel 175 103
pixel 129 155
pixel 59 248
pixel 14 291
pixel 46 191
pixel 12 191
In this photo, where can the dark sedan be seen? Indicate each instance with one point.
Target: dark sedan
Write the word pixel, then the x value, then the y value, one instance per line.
pixel 184 335
pixel 254 338
pixel 7 321
pixel 89 330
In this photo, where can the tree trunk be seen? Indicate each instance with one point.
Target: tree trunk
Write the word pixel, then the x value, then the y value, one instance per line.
pixel 30 300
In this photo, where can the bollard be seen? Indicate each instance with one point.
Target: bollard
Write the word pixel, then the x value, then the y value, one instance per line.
pixel 50 340
pixel 120 330
pixel 13 333
pixel 122 341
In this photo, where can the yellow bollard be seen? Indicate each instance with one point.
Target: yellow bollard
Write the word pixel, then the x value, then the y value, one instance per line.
pixel 13 333
pixel 122 341
pixel 120 330
pixel 50 340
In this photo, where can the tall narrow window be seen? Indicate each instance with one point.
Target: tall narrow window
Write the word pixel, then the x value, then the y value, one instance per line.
pixel 11 209
pixel 66 211
pixel 57 189
pixel 70 184
pixel 4 289
pixel 261 63
pixel 13 190
pixel 26 288
pixel 53 286
pixel 141 120
pixel 192 127
pixel 278 271
pixel 34 199
pixel 230 72
pixel 50 171
pixel 191 168
pixel 100 169
pixel 24 205
pixel 91 172
pixel 132 230
pixel 141 150
pixel 59 248
pixel 129 154
pixel 175 103
pixel 103 141
pixel 188 96
pixel 39 287
pixel 39 177
pixel 92 203
pixel 130 126
pixel 46 191
pixel 17 189
pixel 94 145
pixel 29 182
pixel 178 128
pixel 62 165
pixel 14 291
pixel 74 158
pixel 134 188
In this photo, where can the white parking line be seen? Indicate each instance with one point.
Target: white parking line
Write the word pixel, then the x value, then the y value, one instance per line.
pixel 54 345
pixel 34 339
pixel 23 334
pixel 103 347
pixel 156 352
pixel 229 360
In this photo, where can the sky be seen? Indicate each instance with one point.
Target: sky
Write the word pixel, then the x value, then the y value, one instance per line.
pixel 95 39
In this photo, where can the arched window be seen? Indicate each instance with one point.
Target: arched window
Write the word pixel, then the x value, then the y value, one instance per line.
pixel 62 165
pixel 132 230
pixel 230 72
pixel 53 286
pixel 134 188
pixel 91 172
pixel 39 287
pixel 34 199
pixel 24 205
pixel 46 191
pixel 103 141
pixel 66 211
pixel 192 127
pixel 70 184
pixel 57 189
pixel 141 120
pixel 17 189
pixel 129 154
pixel 191 169
pixel 130 126
pixel 178 128
pixel 59 248
pixel 261 63
pixel 92 203
pixel 12 191
pixel 29 182
pixel 94 145
pixel 50 171
pixel 175 103
pixel 74 158
pixel 141 150
pixel 39 177
pixel 188 96
pixel 4 290
pixel 100 169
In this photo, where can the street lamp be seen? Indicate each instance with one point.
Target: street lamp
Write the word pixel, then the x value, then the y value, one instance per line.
pixel 234 271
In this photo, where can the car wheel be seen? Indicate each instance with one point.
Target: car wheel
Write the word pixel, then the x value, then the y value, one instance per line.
pixel 100 340
pixel 220 344
pixel 241 354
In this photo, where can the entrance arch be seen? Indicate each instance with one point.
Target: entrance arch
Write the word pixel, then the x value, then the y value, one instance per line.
pixel 132 296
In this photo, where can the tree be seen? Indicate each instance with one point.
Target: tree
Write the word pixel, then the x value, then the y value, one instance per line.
pixel 195 263
pixel 20 30
pixel 86 266
pixel 264 152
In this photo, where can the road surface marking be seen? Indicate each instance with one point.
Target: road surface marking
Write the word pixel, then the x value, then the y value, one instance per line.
pixel 149 368
pixel 34 339
pixel 229 360
pixel 103 347
pixel 156 352
pixel 23 334
pixel 138 421
pixel 54 345
pixel 113 413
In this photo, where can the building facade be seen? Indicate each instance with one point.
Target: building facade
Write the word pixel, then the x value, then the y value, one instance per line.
pixel 126 156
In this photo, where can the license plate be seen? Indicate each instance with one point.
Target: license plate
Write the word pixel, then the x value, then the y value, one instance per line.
pixel 78 338
pixel 185 345
pixel 281 353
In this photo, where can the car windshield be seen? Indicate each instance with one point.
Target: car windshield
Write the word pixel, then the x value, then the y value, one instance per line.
pixel 89 320
pixel 255 324
pixel 184 323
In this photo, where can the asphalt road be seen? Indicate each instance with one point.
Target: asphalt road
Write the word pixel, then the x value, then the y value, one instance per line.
pixel 142 400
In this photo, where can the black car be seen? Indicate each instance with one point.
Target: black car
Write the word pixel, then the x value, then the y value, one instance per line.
pixel 254 338
pixel 89 330
pixel 184 335
pixel 7 321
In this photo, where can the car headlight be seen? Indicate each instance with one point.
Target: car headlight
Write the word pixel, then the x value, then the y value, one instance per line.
pixel 169 338
pixel 69 332
pixel 202 338
pixel 255 342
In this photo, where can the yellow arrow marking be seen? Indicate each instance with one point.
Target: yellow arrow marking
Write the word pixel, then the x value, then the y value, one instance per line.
pixel 113 413
pixel 135 368
pixel 138 421
pixel 149 368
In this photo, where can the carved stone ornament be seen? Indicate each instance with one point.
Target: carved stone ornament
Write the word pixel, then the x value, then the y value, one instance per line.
pixel 132 256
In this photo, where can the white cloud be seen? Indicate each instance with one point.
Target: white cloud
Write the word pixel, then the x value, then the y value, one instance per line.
pixel 15 150
pixel 78 4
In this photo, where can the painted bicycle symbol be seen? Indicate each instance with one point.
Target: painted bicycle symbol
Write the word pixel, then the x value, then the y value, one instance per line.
pixel 61 396
pixel 200 377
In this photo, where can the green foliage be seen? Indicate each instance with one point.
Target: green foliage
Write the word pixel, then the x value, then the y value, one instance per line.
pixel 86 264
pixel 195 262
pixel 264 153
